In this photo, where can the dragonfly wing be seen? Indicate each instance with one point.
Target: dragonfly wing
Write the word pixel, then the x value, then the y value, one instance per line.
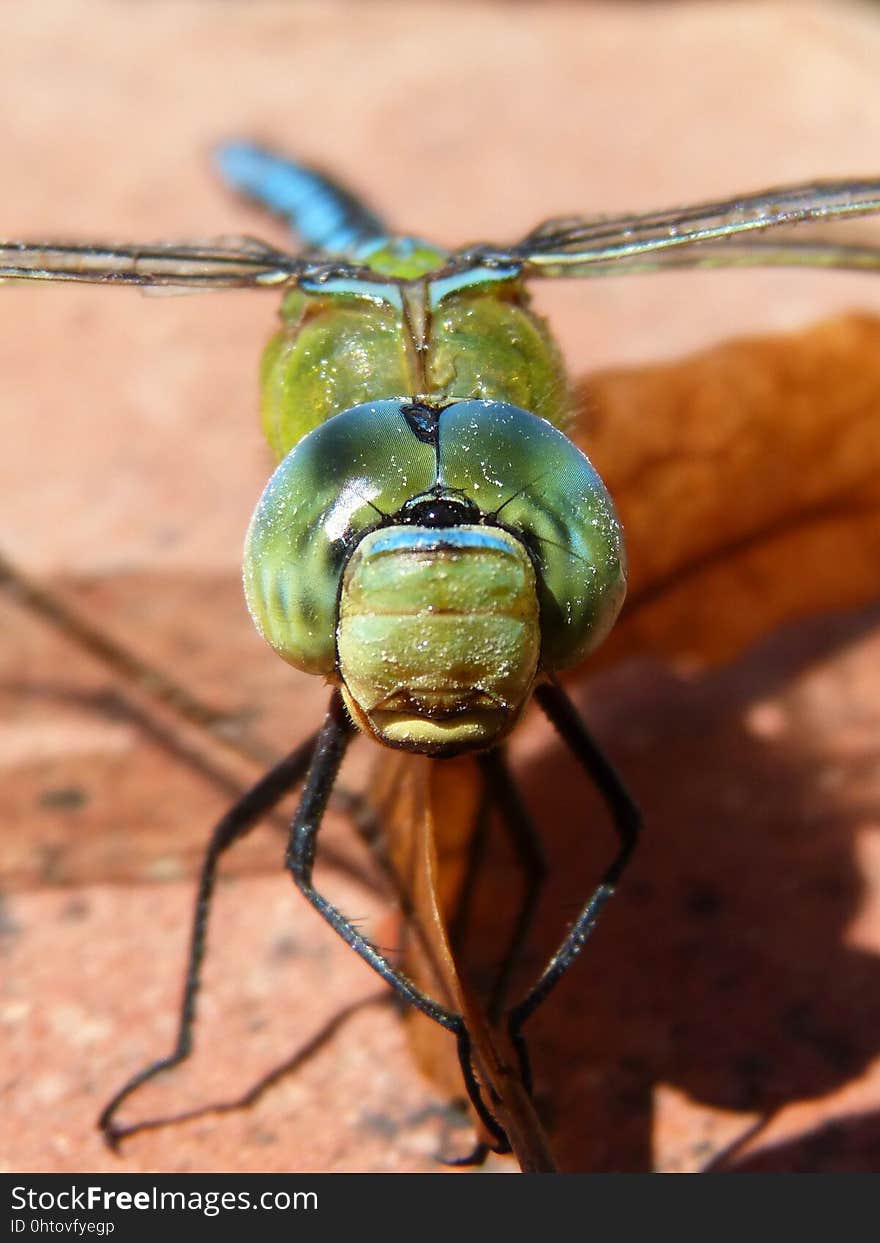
pixel 241 263
pixel 792 253
pixel 720 234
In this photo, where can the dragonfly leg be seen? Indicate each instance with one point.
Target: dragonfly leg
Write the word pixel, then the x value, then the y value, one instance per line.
pixel 627 820
pixel 240 818
pixel 530 854
pixel 330 748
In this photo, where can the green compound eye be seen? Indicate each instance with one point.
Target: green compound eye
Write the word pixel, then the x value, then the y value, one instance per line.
pixel 333 487
pixel 527 477
pixel 524 570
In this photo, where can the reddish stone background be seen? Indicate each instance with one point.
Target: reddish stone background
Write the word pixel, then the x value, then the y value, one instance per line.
pixel 735 979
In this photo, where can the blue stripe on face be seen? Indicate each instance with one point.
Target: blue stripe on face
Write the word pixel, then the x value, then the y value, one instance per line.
pixel 424 539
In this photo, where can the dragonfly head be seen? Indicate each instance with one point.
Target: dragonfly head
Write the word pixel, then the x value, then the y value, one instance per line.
pixel 434 562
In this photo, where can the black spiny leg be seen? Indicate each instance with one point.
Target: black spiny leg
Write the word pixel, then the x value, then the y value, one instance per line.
pixel 627 822
pixel 240 818
pixel 329 750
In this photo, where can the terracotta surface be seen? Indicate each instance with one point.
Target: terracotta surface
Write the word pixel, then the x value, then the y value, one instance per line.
pixel 735 983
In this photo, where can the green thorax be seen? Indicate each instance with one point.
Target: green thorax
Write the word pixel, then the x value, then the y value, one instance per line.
pixel 460 337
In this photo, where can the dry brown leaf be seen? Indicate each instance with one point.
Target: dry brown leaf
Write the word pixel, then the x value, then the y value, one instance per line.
pixel 427 812
pixel 748 482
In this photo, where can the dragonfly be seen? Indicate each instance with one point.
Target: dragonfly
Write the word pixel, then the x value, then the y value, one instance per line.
pixel 431 543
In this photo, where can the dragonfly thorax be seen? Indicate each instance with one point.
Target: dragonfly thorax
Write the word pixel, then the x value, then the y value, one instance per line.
pixel 342 343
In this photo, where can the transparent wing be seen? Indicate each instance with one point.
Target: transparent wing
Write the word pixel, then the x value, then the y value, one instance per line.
pixel 721 234
pixel 236 263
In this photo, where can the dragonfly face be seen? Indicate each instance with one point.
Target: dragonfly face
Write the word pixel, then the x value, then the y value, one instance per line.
pixel 434 559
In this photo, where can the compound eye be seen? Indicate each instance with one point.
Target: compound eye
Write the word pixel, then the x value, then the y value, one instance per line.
pixel 529 478
pixel 333 487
